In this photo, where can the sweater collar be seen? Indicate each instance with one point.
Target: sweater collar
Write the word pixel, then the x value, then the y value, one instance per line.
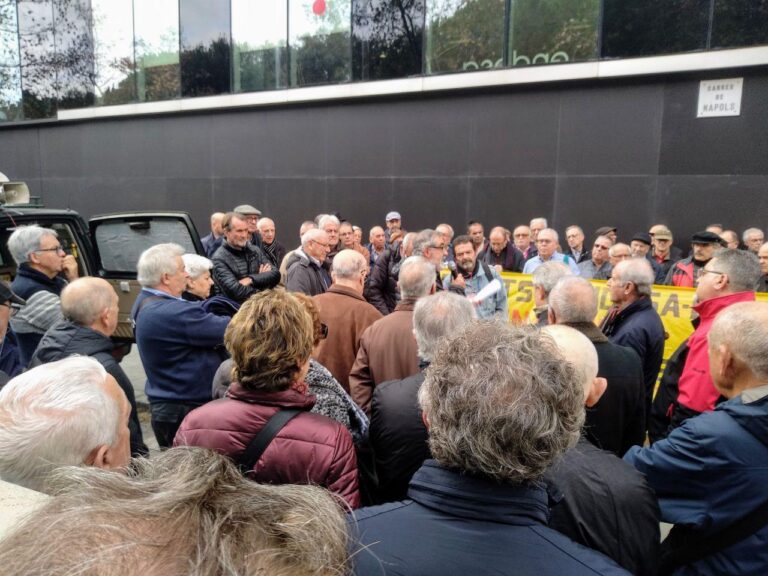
pixel 478 498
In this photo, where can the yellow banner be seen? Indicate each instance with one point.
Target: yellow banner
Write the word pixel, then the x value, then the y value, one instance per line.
pixel 672 303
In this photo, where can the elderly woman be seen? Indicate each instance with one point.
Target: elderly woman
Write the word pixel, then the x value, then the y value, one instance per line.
pixel 270 340
pixel 199 282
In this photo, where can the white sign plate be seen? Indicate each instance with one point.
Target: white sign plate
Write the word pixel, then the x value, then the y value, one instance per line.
pixel 720 97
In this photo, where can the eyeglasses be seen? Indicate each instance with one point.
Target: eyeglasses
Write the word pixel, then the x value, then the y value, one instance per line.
pixel 321 244
pixel 54 249
pixel 544 241
pixel 707 271
pixel 437 246
pixel 323 331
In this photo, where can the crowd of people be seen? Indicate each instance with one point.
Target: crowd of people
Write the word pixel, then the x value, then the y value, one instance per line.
pixel 347 408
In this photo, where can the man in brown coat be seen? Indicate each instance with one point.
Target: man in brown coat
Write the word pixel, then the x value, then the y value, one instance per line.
pixel 346 314
pixel 388 348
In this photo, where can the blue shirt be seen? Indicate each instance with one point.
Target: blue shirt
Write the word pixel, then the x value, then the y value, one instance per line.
pixel 536 261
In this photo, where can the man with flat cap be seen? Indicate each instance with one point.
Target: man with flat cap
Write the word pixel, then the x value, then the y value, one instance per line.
pixel 610 231
pixel 640 247
pixel 393 220
pixel 251 216
pixel 687 271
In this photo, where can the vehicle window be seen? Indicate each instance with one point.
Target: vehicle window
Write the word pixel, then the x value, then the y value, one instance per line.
pixel 120 243
pixel 67 238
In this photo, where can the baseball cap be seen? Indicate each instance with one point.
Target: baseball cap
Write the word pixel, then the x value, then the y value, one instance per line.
pixel 393 216
pixel 663 234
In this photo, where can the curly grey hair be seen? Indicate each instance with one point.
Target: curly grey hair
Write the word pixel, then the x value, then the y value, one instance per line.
pixel 437 317
pixel 501 402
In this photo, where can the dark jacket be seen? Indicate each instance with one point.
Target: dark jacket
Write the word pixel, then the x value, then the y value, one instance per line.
pixel 510 259
pixel 181 346
pixel 305 276
pixel 617 421
pixel 710 472
pixel 41 311
pixel 274 253
pixel 65 339
pixel 211 244
pixel 684 273
pixel 309 449
pixel 460 525
pixel 603 503
pixel 398 436
pixel 639 327
pixel 231 264
pixel 381 290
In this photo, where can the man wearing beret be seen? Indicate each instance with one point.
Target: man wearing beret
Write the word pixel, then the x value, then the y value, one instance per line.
pixel 686 272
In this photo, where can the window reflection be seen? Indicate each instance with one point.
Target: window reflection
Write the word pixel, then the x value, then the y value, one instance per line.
pixel 648 27
pixel 38 58
pixel 387 38
pixel 464 35
pixel 319 41
pixel 10 65
pixel 259 45
pixel 115 72
pixel 205 51
pixel 156 29
pixel 552 31
pixel 739 23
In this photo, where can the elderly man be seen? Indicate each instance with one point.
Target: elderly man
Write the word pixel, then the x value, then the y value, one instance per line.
pixel 687 272
pixel 393 222
pixel 273 250
pixel 600 501
pixel 212 241
pixel 306 273
pixel 476 232
pixel 546 243
pixel 633 322
pixel 43 266
pixel 377 244
pixel 618 253
pixel 544 279
pixel 90 308
pixel 185 511
pixel 289 258
pixel 330 224
pixel 346 314
pixel 521 236
pixel 710 473
pixel 501 407
pixel 762 257
pixel 537 225
pixel 398 435
pixel 730 238
pixel 640 247
pixel 473 275
pixel 66 413
pixel 347 241
pixel 663 251
pixel 686 387
pixel 674 252
pixel 240 269
pixel 388 348
pixel 447 231
pixel 251 216
pixel 599 266
pixel 180 344
pixel 618 420
pixel 753 238
pixel 574 235
pixel 501 252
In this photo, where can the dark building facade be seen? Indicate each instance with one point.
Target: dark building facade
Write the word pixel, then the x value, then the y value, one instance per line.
pixel 583 112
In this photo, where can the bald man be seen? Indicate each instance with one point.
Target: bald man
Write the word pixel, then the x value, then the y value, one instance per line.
pixel 90 309
pixel 212 241
pixel 273 250
pixel 600 501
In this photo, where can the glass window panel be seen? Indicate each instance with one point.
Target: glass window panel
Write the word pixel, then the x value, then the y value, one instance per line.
pixel 464 35
pixel 115 74
pixel 387 38
pixel 75 63
pixel 739 23
pixel 205 50
pixel 319 41
pixel 10 63
pixel 553 31
pixel 648 27
pixel 156 45
pixel 38 58
pixel 259 45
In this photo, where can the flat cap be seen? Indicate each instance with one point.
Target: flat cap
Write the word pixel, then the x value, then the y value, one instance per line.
pixel 603 230
pixel 643 237
pixel 246 210
pixel 706 237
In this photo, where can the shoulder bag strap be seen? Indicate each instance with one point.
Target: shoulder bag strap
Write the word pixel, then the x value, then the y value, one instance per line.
pixel 683 547
pixel 263 438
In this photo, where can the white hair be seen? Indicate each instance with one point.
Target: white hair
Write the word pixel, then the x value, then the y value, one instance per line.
pixel 54 415
pixel 541 220
pixel 577 349
pixel 573 299
pixel 743 328
pixel 155 261
pixel 548 274
pixel 348 264
pixel 196 265
pixel 437 317
pixel 749 232
pixel 326 219
pixel 417 276
pixel 638 271
pixel 311 235
pixel 27 239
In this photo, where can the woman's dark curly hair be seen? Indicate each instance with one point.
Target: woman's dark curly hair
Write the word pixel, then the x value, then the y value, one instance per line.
pixel 269 339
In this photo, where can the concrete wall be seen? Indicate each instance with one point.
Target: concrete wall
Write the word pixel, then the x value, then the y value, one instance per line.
pixel 623 152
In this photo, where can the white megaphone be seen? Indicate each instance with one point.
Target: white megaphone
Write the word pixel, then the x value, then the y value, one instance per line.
pixel 13 192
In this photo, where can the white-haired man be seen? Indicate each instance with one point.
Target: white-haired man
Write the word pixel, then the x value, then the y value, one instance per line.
pixel 180 343
pixel 66 413
pixel 90 309
pixel 388 348
pixel 43 270
pixel 710 473
pixel 306 273
pixel 271 247
pixel 346 315
pixel 547 242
